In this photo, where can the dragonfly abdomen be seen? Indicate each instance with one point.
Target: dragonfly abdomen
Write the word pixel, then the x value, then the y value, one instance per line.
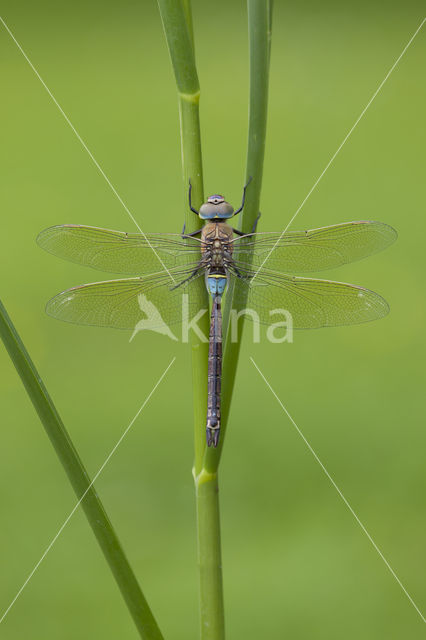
pixel 214 372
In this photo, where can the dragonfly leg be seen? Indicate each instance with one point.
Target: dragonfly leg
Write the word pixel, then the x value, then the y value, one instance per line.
pixel 231 268
pixel 253 229
pixel 189 235
pixel 240 275
pixel 190 277
pixel 244 197
pixel 189 198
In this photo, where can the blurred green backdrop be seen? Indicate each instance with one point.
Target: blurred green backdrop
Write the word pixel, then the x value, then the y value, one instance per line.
pixel 296 564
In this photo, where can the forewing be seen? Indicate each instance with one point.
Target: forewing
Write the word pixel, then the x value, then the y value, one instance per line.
pixel 119 252
pixel 312 303
pixel 314 250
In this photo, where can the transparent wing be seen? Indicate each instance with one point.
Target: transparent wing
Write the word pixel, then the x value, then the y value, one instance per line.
pixel 312 303
pixel 117 251
pixel 314 250
pixel 124 303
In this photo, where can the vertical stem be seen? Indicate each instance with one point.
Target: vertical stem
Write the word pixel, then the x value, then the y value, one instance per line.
pixel 209 557
pixel 175 15
pixel 192 169
pixel 188 16
pixel 259 23
pixel 178 29
pixel 80 481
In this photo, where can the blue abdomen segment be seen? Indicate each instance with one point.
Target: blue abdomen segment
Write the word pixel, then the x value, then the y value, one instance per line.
pixel 216 285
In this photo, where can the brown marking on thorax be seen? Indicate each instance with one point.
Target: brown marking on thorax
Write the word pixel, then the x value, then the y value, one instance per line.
pixel 216 244
pixel 216 247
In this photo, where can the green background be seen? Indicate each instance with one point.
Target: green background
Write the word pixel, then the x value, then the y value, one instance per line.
pixel 296 563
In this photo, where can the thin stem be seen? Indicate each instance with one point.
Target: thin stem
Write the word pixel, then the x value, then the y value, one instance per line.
pixel 80 481
pixel 192 169
pixel 177 22
pixel 209 557
pixel 259 22
pixel 188 16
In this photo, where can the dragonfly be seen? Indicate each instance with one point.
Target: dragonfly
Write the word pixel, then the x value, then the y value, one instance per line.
pixel 261 267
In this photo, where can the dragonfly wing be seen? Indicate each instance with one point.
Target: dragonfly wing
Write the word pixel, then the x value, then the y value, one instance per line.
pixel 123 304
pixel 314 250
pixel 117 251
pixel 312 303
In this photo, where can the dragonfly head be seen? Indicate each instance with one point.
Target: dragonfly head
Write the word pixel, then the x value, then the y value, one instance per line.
pixel 216 208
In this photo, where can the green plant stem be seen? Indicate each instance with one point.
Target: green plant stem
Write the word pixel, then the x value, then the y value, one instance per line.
pixel 192 167
pixel 80 481
pixel 259 22
pixel 177 22
pixel 209 557
pixel 188 16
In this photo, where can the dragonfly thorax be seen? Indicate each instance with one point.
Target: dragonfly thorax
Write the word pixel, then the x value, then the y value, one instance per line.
pixel 217 208
pixel 216 247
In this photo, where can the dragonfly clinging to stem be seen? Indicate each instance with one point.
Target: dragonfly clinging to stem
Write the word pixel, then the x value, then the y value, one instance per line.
pixel 260 264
